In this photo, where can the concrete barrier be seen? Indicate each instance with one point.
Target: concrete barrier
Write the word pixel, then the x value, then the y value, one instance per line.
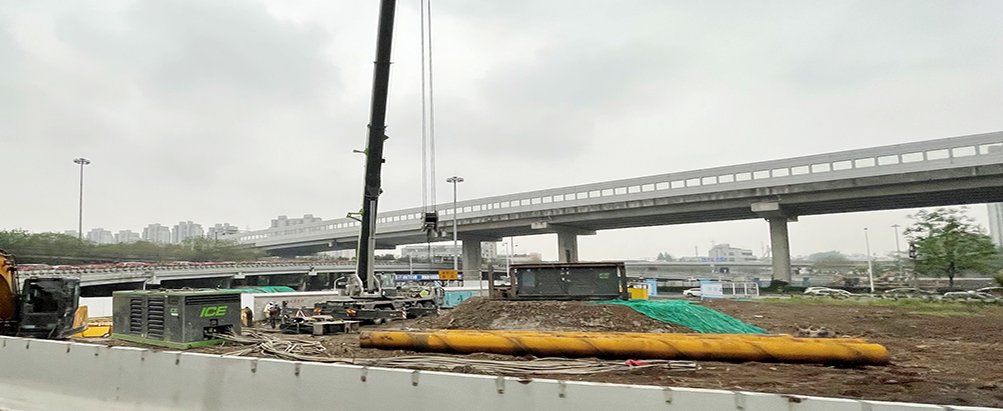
pixel 54 375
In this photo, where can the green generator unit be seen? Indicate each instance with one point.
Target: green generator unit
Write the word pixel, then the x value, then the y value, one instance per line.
pixel 175 318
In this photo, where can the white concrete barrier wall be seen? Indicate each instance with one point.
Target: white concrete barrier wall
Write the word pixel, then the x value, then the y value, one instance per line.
pixel 55 375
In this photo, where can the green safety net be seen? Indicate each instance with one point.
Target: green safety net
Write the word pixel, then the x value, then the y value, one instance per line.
pixel 697 317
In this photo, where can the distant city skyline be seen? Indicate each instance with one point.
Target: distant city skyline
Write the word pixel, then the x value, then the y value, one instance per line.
pixel 882 241
pixel 156 233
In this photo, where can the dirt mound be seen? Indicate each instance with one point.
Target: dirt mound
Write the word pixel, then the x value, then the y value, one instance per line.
pixel 481 314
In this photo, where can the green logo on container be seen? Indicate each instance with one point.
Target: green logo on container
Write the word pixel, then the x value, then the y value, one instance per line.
pixel 603 276
pixel 213 311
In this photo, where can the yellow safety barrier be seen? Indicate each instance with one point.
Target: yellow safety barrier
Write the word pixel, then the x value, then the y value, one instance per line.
pixel 638 293
pixel 716 347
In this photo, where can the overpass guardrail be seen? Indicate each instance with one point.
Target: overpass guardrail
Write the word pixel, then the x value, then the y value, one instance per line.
pixel 947 153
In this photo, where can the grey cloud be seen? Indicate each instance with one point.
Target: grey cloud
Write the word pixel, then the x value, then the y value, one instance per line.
pixel 548 106
pixel 195 46
pixel 15 95
pixel 875 41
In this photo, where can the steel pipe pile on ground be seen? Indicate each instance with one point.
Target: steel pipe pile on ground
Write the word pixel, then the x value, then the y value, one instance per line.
pixel 715 347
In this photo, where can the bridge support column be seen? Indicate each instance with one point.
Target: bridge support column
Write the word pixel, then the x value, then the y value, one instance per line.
pixel 567 239
pixel 471 260
pixel 567 247
pixel 781 249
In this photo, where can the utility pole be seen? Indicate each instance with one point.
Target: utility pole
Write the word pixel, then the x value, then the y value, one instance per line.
pixel 80 218
pixel 508 258
pixel 898 253
pixel 456 255
pixel 870 266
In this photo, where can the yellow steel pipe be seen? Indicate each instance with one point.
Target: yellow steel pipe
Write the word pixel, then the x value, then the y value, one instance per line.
pixel 717 347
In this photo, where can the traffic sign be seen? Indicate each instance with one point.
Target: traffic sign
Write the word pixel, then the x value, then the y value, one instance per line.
pixel 449 275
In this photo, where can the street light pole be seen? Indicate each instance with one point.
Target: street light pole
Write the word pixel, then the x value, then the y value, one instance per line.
pixel 456 255
pixel 508 258
pixel 80 218
pixel 898 253
pixel 870 266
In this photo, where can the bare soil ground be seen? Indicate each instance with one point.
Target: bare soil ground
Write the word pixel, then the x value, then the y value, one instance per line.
pixel 935 359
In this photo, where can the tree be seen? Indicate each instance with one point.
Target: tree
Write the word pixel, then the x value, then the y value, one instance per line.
pixel 829 261
pixel 948 242
pixel 664 257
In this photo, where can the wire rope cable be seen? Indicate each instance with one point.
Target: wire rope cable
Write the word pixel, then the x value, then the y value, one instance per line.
pixel 302 349
pixel 424 117
pixel 431 104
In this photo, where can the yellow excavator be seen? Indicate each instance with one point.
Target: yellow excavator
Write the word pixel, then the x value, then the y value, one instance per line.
pixel 38 307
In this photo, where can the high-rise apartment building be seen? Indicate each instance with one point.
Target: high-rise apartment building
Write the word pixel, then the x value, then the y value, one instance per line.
pixel 101 236
pixel 156 233
pixel 185 229
pixel 219 230
pixel 126 236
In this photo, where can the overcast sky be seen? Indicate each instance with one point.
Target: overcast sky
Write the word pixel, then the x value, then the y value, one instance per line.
pixel 239 111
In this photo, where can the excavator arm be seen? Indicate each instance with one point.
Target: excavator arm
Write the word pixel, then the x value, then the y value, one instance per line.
pixel 8 287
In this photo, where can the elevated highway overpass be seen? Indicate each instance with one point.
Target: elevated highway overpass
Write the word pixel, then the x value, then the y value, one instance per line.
pixel 948 171
pixel 176 274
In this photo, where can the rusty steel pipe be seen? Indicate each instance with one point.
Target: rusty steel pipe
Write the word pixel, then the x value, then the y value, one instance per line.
pixel 716 347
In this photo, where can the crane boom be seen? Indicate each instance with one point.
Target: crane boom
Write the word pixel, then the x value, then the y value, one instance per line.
pixel 374 145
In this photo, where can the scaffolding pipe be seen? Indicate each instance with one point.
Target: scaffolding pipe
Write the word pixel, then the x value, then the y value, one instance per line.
pixel 710 347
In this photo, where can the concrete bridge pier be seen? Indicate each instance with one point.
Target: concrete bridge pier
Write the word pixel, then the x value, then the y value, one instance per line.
pixel 781 249
pixel 567 242
pixel 780 244
pixel 471 259
pixel 567 247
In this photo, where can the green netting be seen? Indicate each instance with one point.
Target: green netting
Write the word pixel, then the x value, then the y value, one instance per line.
pixel 697 317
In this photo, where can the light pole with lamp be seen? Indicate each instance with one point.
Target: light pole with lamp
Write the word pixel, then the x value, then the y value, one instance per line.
pixel 456 255
pixel 870 266
pixel 80 218
pixel 898 252
pixel 508 258
pixel 510 248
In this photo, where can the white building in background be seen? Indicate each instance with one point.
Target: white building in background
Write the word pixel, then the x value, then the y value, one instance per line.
pixel 101 236
pixel 126 236
pixel 436 250
pixel 186 229
pixel 996 223
pixel 71 233
pixel 219 230
pixel 156 233
pixel 488 251
pixel 725 252
pixel 283 221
